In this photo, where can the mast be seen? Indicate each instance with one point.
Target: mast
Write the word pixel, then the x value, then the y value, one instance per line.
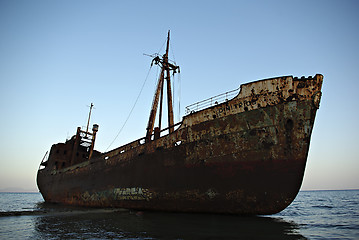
pixel 88 121
pixel 166 69
pixel 169 90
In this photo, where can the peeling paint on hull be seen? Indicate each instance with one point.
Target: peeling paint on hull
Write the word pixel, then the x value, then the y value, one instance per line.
pixel 244 156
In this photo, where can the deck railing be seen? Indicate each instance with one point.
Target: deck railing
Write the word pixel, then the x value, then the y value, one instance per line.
pixel 224 97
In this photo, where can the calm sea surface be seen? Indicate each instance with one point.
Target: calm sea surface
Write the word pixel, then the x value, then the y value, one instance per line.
pixel 313 215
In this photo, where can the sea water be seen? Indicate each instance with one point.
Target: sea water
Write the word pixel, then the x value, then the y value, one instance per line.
pixel 312 215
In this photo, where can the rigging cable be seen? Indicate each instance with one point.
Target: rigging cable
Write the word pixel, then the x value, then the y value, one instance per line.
pixel 143 85
pixel 161 47
pixel 178 87
pixel 173 55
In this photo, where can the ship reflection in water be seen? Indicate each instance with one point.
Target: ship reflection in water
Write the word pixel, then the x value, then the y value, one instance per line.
pixel 60 223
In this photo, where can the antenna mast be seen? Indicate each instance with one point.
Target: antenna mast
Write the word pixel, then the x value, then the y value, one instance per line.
pixel 88 121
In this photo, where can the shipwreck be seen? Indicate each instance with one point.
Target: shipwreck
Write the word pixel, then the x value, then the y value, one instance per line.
pixel 241 152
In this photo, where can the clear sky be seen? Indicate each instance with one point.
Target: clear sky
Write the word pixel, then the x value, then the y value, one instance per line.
pixel 56 57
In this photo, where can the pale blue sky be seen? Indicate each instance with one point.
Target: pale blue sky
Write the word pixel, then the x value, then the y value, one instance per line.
pixel 56 57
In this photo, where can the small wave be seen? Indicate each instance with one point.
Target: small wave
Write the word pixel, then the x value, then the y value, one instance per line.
pixel 61 211
pixel 323 206
pixel 336 226
pixel 21 213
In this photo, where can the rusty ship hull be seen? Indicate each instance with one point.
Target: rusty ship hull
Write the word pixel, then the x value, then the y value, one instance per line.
pixel 246 155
